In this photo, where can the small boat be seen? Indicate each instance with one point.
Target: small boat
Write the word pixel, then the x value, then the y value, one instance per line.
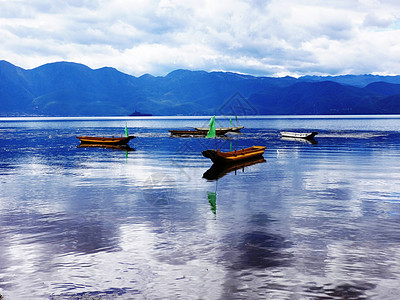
pixel 299 135
pixel 139 114
pixel 105 140
pixel 196 132
pixel 234 156
pixel 219 170
pixel 236 128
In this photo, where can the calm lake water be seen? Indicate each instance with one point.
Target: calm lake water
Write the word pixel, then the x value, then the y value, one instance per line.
pixel 311 221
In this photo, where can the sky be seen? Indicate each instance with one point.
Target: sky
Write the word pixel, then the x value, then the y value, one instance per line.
pixel 257 37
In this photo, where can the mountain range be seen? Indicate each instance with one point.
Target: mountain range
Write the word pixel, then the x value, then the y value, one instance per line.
pixel 72 89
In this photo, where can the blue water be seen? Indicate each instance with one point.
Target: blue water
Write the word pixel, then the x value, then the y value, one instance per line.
pixel 312 221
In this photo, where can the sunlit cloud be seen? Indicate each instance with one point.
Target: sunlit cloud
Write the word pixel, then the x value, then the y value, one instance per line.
pixel 270 37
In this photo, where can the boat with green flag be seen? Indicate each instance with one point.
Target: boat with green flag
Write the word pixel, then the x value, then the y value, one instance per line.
pixel 230 128
pixel 105 140
pixel 207 132
pixel 217 156
pixel 116 141
pixel 202 133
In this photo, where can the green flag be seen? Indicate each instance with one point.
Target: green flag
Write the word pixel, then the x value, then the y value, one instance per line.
pixel 126 130
pixel 211 131
pixel 230 121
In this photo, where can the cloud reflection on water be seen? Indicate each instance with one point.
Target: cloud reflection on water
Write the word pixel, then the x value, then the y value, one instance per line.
pixel 305 223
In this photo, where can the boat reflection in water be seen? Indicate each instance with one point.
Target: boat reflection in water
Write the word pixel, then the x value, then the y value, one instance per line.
pixel 105 146
pixel 302 140
pixel 219 170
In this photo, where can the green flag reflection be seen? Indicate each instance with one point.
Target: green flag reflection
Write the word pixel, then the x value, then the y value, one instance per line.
pixel 212 199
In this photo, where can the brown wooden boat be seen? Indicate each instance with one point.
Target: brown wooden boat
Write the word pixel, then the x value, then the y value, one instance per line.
pixel 196 132
pixel 218 156
pixel 105 140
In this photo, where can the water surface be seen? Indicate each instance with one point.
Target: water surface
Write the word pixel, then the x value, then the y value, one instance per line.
pixel 312 221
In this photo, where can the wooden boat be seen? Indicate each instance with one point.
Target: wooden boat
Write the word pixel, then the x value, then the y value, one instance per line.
pixel 234 156
pixel 219 170
pixel 196 132
pixel 299 135
pixel 105 140
pixel 236 128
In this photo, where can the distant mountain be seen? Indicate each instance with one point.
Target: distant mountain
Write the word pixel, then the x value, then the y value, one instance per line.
pixel 355 80
pixel 71 89
pixel 383 88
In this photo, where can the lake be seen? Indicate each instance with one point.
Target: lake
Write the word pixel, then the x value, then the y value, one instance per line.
pixel 309 221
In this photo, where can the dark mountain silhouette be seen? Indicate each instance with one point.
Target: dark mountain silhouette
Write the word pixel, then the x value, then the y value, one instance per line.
pixel 71 89
pixel 325 97
pixel 355 80
pixel 383 88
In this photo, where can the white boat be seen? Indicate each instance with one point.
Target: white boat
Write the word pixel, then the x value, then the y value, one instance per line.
pixel 235 128
pixel 299 135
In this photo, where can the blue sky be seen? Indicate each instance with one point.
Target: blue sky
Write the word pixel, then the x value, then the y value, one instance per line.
pixel 258 37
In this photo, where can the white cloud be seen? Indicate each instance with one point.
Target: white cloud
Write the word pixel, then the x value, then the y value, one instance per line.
pixel 379 21
pixel 261 37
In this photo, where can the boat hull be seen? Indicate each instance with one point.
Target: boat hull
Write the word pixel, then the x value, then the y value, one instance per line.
pixel 195 132
pixel 105 140
pixel 237 128
pixel 217 156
